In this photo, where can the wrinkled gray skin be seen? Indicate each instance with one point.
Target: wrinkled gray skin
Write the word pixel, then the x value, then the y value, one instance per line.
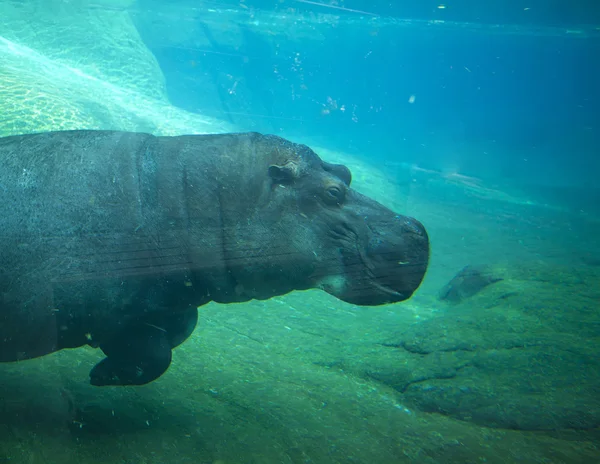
pixel 114 239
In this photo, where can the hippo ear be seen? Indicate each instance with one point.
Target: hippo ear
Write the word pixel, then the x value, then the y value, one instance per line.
pixel 283 174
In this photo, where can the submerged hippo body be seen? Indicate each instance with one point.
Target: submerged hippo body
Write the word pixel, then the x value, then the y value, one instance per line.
pixel 113 239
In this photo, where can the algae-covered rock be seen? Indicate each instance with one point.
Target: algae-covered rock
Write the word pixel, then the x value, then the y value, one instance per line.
pixel 522 354
pixel 82 66
pixel 95 38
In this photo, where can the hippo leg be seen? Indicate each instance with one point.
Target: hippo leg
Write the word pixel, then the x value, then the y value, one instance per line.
pixel 141 353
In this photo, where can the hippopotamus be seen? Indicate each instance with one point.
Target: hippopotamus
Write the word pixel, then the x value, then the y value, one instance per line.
pixel 114 239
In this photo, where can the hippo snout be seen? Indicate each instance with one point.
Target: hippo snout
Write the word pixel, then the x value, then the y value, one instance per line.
pixel 399 259
pixel 393 264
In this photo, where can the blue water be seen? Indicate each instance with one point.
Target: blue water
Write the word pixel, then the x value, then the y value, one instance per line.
pixel 516 106
pixel 480 119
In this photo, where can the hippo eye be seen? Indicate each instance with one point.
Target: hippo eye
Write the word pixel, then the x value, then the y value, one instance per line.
pixel 335 194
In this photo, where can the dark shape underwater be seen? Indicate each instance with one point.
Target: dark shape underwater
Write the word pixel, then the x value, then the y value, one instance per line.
pixel 469 281
pixel 113 239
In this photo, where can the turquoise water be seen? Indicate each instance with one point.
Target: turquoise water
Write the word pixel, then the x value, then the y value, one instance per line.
pixel 481 122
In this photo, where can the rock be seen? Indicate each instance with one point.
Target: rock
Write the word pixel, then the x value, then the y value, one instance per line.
pixel 517 358
pixel 83 67
pixel 468 282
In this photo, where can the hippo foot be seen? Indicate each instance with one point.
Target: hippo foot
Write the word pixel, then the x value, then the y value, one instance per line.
pixel 136 356
pixel 141 353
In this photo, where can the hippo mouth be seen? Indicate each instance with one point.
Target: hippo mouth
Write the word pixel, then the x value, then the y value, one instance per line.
pixel 391 276
pixel 396 262
pixel 386 269
pixel 393 295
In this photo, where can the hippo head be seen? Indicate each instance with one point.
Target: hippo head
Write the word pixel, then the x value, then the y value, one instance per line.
pixel 307 228
pixel 382 256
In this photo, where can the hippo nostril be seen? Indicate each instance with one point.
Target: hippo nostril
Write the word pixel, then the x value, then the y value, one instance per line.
pixel 412 225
